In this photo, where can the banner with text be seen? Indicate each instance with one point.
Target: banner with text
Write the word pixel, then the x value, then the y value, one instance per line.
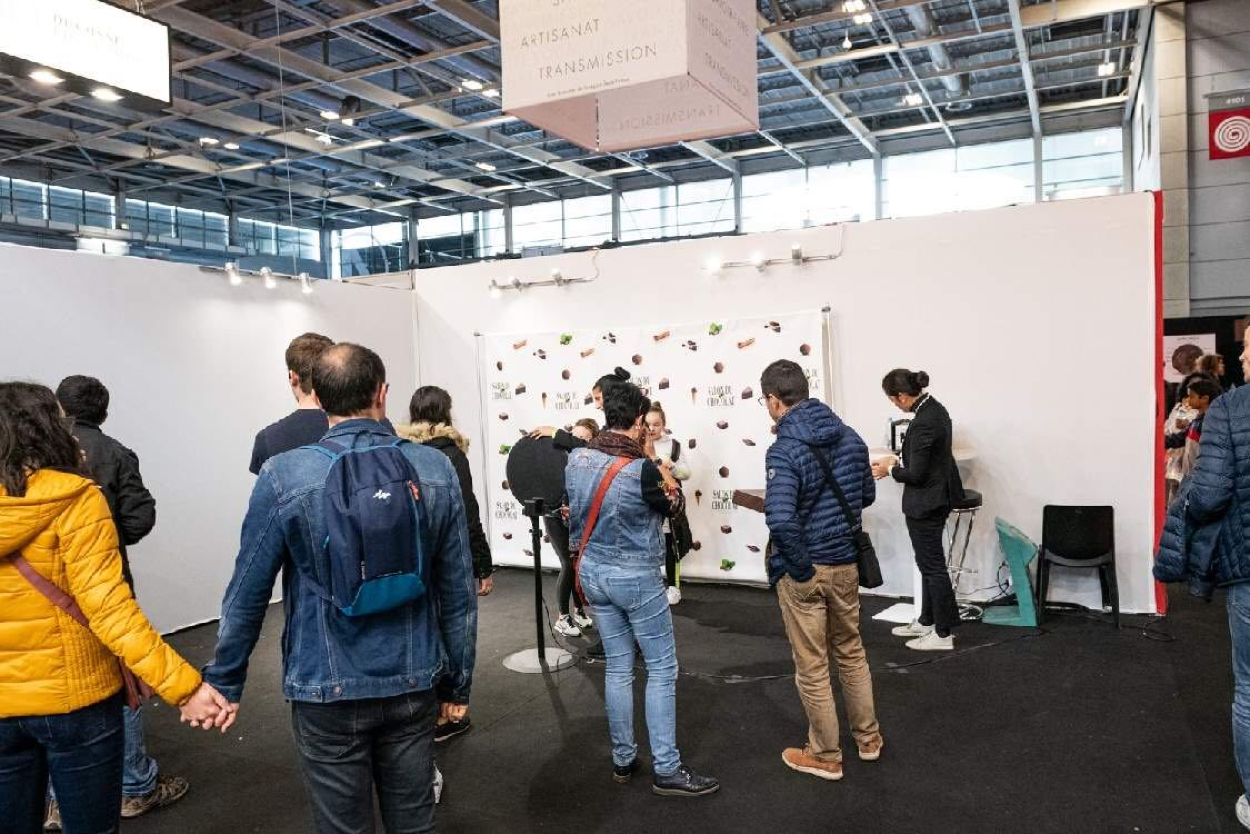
pixel 706 378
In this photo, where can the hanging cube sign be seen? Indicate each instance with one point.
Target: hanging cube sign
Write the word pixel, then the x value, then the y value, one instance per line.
pixel 613 76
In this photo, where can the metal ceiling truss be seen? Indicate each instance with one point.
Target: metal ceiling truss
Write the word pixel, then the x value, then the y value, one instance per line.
pixel 422 137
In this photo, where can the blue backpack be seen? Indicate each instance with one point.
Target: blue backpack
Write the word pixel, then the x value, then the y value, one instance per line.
pixel 376 536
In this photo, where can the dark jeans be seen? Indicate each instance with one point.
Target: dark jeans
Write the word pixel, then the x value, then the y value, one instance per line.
pixel 349 748
pixel 670 560
pixel 937 607
pixel 559 534
pixel 81 752
pixel 1239 633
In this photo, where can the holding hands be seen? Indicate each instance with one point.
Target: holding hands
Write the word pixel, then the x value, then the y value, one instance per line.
pixel 448 711
pixel 207 709
pixel 881 468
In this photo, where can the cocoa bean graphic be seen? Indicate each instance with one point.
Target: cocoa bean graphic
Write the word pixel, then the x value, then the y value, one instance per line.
pixel 520 344
pixel 565 374
pixel 753 548
pixel 507 535
pixel 541 354
pixel 499 365
pixel 611 337
pixel 587 352
pixel 696 545
pixel 521 389
pixel 505 485
pixel 745 343
pixel 636 359
pixel 726 529
pixel 690 345
pixel 547 539
pixel 662 384
pixel 692 443
pixel 529 554
pixel 746 441
pixel 544 399
pixel 774 326
pixel 722 424
pixel 694 393
pixel 719 367
pixel 724 471
pixel 805 349
pixel 503 415
pixel 588 399
pixel 748 393
pixel 659 337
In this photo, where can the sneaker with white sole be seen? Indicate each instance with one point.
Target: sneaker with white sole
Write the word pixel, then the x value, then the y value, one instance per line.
pixel 674 594
pixel 583 620
pixel 567 627
pixel 168 790
pixel 438 785
pixel 932 643
pixel 1243 811
pixel 912 629
pixel 52 820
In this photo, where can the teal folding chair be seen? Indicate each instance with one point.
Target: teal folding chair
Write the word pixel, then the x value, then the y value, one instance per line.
pixel 1019 550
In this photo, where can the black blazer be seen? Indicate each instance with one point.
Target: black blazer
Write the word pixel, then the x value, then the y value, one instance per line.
pixel 928 472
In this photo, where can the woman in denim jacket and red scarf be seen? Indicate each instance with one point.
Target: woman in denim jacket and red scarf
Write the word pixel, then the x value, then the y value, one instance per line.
pixel 618 501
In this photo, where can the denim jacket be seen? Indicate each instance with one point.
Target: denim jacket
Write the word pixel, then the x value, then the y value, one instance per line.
pixel 630 529
pixel 326 655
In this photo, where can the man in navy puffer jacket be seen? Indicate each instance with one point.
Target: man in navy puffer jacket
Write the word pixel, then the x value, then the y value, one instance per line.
pixel 1221 493
pixel 812 565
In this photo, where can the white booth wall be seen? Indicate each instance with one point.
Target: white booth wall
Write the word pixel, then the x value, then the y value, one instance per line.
pixel 1036 324
pixel 194 367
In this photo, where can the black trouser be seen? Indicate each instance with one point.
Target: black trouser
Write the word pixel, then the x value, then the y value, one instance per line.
pixel 350 748
pixel 937 607
pixel 559 535
pixel 670 560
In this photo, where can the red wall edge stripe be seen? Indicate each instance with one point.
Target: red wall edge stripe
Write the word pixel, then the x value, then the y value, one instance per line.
pixel 1161 595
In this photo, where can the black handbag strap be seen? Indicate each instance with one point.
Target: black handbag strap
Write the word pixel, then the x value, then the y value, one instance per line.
pixel 832 482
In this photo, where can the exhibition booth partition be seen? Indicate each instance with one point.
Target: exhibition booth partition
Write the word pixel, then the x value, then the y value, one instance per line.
pixel 1037 324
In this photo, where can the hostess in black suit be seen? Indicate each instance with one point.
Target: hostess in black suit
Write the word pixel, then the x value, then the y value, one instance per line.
pixel 928 471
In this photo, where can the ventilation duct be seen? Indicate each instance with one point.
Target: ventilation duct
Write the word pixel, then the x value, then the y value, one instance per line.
pixel 924 26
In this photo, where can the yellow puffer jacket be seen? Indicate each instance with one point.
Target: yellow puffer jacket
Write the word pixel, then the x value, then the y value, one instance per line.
pixel 49 664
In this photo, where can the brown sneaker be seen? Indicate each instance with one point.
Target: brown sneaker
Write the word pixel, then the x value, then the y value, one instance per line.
pixel 168 790
pixel 52 822
pixel 871 752
pixel 804 762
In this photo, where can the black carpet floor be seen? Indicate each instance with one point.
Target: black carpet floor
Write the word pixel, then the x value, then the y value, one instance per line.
pixel 1073 728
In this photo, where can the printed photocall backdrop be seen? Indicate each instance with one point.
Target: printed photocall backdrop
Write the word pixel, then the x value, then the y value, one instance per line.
pixel 705 376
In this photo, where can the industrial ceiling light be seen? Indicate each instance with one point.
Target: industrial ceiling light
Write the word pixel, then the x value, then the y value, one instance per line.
pixel 209 141
pixel 379 185
pixel 349 121
pixel 913 100
pixel 472 84
pixel 233 274
pixel 863 19
pixel 44 76
pixel 267 274
pixel 231 146
pixel 491 94
pixel 329 115
pixel 485 166
pixel 846 42
pixel 105 94
pixel 853 6
pixel 1106 69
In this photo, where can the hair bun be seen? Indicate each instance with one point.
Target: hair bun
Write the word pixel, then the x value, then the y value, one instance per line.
pixel 921 379
pixel 620 373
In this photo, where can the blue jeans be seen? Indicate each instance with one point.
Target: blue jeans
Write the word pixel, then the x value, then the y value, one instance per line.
pixel 1239 632
pixel 629 607
pixel 350 748
pixel 81 752
pixel 138 768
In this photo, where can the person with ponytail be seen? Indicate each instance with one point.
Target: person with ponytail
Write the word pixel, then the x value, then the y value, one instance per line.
pixel 665 450
pixel 931 486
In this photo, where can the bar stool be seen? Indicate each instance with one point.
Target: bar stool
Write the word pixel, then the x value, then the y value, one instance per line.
pixel 965 513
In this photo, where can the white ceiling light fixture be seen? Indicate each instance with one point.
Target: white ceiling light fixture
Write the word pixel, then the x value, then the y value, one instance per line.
pixel 231 146
pixel 485 166
pixel 349 121
pixel 329 115
pixel 379 185
pixel 267 274
pixel 44 76
pixel 209 141
pixel 853 6
pixel 472 84
pixel 1106 69
pixel 863 19
pixel 715 266
pixel 913 100
pixel 491 93
pixel 233 275
pixel 846 42
pixel 105 94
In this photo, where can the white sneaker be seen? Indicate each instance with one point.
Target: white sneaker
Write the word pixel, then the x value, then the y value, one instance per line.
pixel 1243 811
pixel 438 785
pixel 674 594
pixel 583 620
pixel 912 629
pixel 932 643
pixel 567 627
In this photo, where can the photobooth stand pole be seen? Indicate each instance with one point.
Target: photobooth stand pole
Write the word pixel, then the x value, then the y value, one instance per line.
pixel 541 659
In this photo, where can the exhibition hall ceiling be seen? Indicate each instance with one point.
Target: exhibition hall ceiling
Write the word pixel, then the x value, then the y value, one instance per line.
pixel 357 111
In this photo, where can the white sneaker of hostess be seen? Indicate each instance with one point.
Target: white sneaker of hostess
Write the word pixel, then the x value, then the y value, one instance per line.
pixel 1243 811
pixel 438 785
pixel 583 621
pixel 674 594
pixel 932 643
pixel 567 627
pixel 912 629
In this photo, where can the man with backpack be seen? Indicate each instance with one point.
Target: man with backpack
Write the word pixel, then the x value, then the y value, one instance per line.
pixel 379 596
pixel 819 482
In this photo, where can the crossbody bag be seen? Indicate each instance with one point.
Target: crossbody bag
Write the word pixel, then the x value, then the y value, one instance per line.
pixel 592 518
pixel 865 553
pixel 135 689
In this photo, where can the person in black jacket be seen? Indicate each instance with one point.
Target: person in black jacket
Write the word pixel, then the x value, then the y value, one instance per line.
pixel 931 486
pixel 115 468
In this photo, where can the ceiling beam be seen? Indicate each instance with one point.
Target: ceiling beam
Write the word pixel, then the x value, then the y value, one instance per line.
pixel 712 154
pixel 781 49
pixel 776 143
pixel 911 68
pixel 1026 66
pixel 468 17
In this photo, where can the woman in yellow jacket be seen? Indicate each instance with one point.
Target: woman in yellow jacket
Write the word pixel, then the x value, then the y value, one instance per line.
pixel 60 698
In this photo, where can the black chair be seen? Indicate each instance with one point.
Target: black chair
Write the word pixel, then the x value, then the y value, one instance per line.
pixel 1078 537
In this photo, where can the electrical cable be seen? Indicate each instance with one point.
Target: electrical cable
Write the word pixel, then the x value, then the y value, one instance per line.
pixel 286 159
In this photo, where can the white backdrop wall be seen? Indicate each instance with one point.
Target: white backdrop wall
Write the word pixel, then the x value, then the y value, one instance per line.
pixel 705 376
pixel 194 367
pixel 1036 324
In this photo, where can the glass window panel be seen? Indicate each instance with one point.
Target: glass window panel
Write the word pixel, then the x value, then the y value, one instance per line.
pixel 370 250
pixel 705 207
pixel 216 229
pixel 994 154
pixel 100 209
pixel 588 220
pixel 919 183
pixel 648 213
pixel 1083 164
pixel 310 244
pixel 65 204
pixel 491 235
pixel 841 192
pixel 776 200
pixel 160 219
pixel 30 199
pixel 538 224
